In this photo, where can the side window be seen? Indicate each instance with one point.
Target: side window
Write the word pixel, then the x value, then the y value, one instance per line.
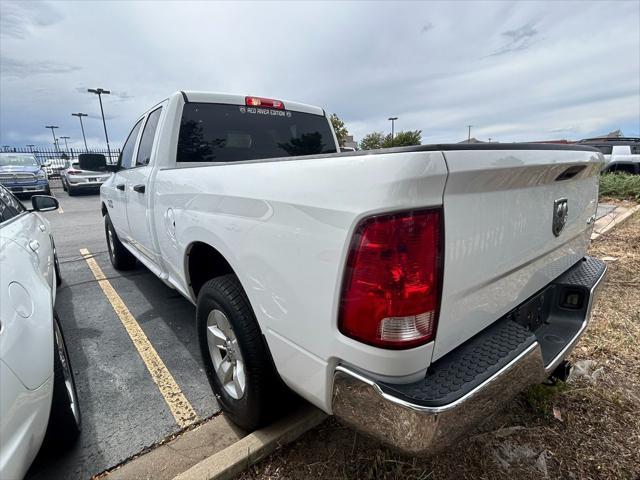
pixel 9 206
pixel 148 134
pixel 126 157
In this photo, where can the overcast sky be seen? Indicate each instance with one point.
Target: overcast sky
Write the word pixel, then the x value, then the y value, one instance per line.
pixel 516 71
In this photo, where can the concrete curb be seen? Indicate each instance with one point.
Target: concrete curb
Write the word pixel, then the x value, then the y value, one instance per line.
pixel 236 458
pixel 165 461
pixel 617 218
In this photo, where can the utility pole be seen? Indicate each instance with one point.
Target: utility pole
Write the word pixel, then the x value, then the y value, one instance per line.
pixel 393 120
pixel 100 92
pixel 469 135
pixel 55 140
pixel 80 115
pixel 66 147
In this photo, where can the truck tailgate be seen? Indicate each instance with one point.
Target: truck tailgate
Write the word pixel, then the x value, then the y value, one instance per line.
pixel 500 243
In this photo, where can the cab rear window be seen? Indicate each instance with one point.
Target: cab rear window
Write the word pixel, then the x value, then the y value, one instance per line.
pixel 231 133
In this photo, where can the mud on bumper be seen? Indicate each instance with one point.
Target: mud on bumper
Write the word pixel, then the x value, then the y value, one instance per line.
pixel 466 386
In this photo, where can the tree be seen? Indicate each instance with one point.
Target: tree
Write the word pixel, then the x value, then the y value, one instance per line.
pixel 403 139
pixel 372 141
pixel 339 128
pixel 376 140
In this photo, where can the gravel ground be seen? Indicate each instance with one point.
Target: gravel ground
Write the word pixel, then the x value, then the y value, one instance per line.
pixel 588 428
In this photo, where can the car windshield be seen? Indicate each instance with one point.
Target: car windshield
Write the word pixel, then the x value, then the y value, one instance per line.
pixel 17 159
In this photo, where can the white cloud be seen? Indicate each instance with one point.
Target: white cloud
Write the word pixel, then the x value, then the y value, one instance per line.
pixel 573 69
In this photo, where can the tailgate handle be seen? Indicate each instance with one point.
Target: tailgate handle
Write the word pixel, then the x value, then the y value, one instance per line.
pixel 570 172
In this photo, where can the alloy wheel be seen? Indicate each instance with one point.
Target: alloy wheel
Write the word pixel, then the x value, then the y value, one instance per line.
pixel 225 353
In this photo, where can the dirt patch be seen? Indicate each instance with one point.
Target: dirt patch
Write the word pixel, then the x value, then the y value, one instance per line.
pixel 588 428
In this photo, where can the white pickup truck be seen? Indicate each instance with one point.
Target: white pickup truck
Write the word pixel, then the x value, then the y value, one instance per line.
pixel 621 154
pixel 409 291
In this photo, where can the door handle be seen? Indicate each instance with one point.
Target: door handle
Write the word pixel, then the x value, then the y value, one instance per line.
pixel 139 188
pixel 120 186
pixel 34 245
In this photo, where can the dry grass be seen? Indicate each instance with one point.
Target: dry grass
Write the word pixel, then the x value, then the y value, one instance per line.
pixel 598 436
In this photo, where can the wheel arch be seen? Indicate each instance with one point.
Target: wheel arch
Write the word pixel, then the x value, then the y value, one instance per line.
pixel 202 263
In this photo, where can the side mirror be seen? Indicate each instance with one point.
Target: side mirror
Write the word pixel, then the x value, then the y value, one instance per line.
pixel 92 161
pixel 44 203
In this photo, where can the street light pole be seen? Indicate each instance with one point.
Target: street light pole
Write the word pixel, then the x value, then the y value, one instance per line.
pixel 469 135
pixel 65 142
pixel 80 115
pixel 100 92
pixel 393 119
pixel 55 140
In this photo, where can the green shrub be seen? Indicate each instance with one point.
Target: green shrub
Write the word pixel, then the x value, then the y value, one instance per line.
pixel 624 186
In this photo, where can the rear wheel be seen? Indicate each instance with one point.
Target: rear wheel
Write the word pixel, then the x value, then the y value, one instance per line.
pixel 64 184
pixel 71 191
pixel 121 258
pixel 65 420
pixel 235 354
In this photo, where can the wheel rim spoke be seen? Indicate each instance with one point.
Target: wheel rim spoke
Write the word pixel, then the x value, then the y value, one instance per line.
pixel 216 338
pixel 239 378
pixel 223 324
pixel 225 371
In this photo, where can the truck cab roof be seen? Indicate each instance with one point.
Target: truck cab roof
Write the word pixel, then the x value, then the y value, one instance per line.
pixel 241 99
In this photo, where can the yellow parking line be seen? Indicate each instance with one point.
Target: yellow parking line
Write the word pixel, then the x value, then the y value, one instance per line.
pixel 180 407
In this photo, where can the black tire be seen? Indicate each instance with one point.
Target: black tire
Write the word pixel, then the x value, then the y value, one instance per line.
pixel 72 192
pixel 121 258
pixel 65 419
pixel 56 266
pixel 64 185
pixel 47 191
pixel 264 394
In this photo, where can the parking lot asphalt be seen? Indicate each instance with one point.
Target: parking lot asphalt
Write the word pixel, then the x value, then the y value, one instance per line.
pixel 123 408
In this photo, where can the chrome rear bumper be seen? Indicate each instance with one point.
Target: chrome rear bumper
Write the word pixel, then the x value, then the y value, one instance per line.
pixel 419 429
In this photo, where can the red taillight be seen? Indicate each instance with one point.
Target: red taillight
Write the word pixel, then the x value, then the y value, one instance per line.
pixel 263 102
pixel 391 288
pixel 73 172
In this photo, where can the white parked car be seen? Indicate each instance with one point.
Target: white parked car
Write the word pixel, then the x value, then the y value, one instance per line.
pixel 75 180
pixel 37 392
pixel 410 292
